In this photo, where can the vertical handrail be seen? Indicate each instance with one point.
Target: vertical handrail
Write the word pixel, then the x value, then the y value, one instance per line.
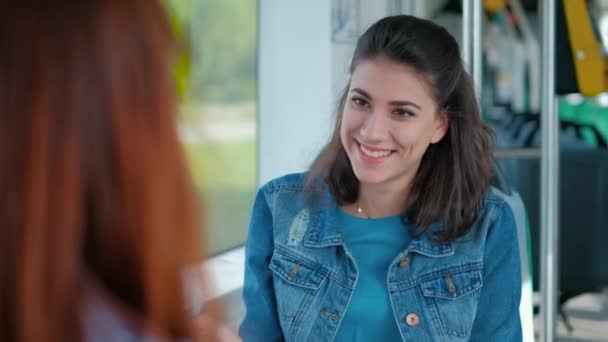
pixel 549 177
pixel 477 46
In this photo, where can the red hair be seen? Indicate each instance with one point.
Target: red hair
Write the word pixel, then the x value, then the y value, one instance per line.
pixel 94 181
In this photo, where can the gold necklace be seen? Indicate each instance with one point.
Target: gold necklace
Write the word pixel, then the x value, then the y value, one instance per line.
pixel 360 212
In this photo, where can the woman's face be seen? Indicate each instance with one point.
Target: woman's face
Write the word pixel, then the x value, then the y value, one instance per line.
pixel 389 120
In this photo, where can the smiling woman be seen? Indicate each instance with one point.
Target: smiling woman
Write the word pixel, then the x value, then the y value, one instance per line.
pixel 386 131
pixel 394 233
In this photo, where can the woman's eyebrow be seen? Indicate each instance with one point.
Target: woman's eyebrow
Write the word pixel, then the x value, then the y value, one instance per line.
pixel 393 103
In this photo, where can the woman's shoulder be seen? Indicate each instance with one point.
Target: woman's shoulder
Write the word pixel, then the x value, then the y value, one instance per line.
pixel 288 182
pixel 494 211
pixel 294 195
pixel 497 211
pixel 493 202
pixel 494 221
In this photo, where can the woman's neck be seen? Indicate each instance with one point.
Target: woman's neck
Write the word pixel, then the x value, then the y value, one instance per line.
pixel 379 200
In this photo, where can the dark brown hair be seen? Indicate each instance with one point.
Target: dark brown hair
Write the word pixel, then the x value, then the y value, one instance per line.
pixel 454 173
pixel 94 184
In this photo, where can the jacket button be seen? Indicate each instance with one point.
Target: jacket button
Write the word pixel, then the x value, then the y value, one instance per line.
pixel 412 320
pixel 404 261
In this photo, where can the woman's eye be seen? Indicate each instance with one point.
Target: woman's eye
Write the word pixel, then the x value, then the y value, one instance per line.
pixel 359 102
pixel 402 113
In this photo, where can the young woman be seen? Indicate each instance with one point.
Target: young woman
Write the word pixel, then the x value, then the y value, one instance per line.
pixel 98 215
pixel 394 233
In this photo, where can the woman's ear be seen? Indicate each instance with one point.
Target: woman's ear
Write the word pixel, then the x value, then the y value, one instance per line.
pixel 442 123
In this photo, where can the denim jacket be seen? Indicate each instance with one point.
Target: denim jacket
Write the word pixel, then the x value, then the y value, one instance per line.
pixel 299 275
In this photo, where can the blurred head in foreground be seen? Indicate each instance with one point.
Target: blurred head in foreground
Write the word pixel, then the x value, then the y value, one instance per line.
pixel 97 210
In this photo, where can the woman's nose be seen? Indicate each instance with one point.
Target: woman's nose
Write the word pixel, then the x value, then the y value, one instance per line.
pixel 375 127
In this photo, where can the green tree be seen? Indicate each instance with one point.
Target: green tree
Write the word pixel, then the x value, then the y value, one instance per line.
pixel 222 38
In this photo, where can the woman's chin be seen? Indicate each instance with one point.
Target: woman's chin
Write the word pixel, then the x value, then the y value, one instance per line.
pixel 370 176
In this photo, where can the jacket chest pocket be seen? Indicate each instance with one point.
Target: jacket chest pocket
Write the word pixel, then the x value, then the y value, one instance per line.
pixel 296 283
pixel 452 297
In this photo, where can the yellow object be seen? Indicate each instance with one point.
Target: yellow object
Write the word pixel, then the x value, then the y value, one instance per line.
pixel 494 5
pixel 586 49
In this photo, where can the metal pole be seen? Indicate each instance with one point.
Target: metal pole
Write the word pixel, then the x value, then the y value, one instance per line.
pixel 517 153
pixel 396 7
pixel 410 7
pixel 477 48
pixel 419 8
pixel 549 177
pixel 467 34
pixel 416 8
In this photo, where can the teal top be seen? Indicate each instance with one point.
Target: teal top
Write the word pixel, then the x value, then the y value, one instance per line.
pixel 374 244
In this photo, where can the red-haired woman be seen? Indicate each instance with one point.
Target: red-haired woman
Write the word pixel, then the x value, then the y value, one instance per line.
pixel 97 211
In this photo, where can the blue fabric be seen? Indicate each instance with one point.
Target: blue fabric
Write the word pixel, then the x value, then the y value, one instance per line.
pixel 300 276
pixel 373 243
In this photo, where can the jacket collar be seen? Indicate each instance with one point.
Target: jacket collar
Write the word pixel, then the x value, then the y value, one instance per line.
pixel 425 244
pixel 324 232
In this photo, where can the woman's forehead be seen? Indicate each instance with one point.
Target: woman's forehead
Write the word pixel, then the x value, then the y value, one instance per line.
pixel 386 80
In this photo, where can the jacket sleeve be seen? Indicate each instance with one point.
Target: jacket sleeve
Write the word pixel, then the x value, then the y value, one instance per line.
pixel 497 317
pixel 261 322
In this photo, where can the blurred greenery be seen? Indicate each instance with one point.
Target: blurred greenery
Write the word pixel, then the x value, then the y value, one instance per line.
pixel 215 75
pixel 223 164
pixel 195 112
pixel 222 36
pixel 181 25
pixel 225 176
pixel 229 210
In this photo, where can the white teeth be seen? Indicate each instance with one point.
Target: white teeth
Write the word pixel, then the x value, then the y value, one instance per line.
pixel 375 154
